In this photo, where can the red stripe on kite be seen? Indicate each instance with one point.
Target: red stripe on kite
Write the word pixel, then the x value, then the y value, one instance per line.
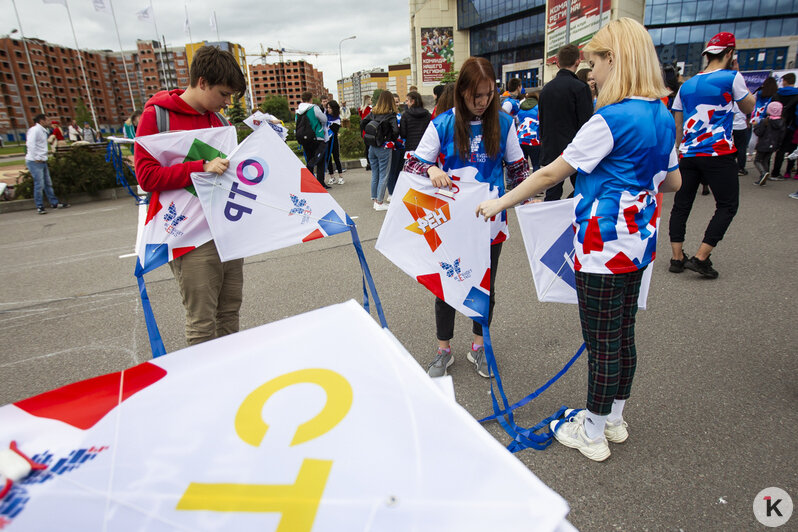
pixel 308 183
pixel 313 236
pixel 433 283
pixel 85 403
pixel 486 280
pixel 179 252
pixel 152 211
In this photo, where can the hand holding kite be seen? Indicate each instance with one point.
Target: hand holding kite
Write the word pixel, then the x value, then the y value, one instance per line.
pixel 439 178
pixel 216 166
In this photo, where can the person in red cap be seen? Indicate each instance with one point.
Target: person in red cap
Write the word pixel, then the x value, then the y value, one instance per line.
pixel 704 115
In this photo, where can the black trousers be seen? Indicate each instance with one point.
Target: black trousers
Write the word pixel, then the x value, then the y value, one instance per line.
pixel 762 161
pixel 787 147
pixel 444 314
pixel 554 193
pixel 741 139
pixel 397 162
pixel 720 173
pixel 334 154
pixel 532 153
pixel 315 157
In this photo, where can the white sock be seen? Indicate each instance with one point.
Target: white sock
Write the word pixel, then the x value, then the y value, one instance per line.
pixel 594 425
pixel 617 410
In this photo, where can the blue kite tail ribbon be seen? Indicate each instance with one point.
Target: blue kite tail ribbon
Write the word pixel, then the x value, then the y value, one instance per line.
pixel 523 438
pixel 113 155
pixel 367 278
pixel 540 390
pixel 156 343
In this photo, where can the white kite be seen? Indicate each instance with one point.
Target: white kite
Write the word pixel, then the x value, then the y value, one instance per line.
pixel 266 200
pixel 259 119
pixel 176 224
pixel 433 235
pixel 318 422
pixel 548 233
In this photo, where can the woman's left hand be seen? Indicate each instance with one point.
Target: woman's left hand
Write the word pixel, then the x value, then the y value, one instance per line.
pixel 488 209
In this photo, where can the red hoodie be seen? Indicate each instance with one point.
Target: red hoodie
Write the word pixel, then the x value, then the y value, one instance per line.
pixel 182 117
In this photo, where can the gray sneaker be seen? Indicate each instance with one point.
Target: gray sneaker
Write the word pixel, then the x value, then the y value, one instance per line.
pixel 440 363
pixel 480 362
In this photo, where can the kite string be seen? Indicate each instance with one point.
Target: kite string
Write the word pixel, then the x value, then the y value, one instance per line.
pixel 114 448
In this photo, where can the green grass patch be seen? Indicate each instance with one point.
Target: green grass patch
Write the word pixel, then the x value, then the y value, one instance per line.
pixel 6 150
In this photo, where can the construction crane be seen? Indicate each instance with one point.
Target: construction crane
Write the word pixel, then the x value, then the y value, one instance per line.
pixel 265 52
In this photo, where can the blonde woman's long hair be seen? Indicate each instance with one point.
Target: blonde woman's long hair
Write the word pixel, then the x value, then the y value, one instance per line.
pixel 635 69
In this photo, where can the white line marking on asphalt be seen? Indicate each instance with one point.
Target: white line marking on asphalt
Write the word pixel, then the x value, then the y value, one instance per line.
pixel 127 256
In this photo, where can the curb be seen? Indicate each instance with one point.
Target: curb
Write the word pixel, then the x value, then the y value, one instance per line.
pixel 77 199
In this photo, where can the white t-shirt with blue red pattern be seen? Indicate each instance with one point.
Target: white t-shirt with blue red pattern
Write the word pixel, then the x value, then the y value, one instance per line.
pixel 528 125
pixel 623 154
pixel 437 146
pixel 707 101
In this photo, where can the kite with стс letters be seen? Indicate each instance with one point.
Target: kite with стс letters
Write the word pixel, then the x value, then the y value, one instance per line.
pixel 232 434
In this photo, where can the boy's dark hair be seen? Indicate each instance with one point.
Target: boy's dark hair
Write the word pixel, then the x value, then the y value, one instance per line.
pixel 568 56
pixel 513 85
pixel 718 56
pixel 437 91
pixel 39 117
pixel 789 78
pixel 307 97
pixel 217 67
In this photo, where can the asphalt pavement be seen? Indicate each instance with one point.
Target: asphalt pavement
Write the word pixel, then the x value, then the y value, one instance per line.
pixel 712 417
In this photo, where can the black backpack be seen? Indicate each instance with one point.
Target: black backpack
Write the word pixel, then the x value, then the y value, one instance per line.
pixel 377 132
pixel 304 131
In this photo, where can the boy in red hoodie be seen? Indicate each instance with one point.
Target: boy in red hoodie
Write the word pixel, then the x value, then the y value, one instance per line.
pixel 211 290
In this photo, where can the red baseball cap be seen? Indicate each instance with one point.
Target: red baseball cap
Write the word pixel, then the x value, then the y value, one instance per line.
pixel 720 42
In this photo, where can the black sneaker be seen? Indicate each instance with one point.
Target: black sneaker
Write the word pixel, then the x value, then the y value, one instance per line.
pixel 41 210
pixel 59 205
pixel 677 266
pixel 704 267
pixel 762 179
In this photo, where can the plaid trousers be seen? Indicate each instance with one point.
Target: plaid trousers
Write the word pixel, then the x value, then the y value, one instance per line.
pixel 607 309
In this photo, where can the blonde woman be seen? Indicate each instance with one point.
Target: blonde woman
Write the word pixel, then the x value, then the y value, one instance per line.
pixel 384 113
pixel 624 156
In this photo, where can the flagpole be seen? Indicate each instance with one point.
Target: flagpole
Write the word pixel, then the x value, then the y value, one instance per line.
pixel 122 53
pixel 27 53
pixel 163 68
pixel 216 24
pixel 188 24
pixel 82 68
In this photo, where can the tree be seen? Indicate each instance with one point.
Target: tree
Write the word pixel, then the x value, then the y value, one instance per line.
pixel 376 96
pixel 449 77
pixel 236 114
pixel 81 113
pixel 277 106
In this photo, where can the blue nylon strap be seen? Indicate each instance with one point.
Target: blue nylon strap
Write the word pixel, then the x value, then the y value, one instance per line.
pixel 113 155
pixel 156 343
pixel 367 278
pixel 523 438
pixel 540 390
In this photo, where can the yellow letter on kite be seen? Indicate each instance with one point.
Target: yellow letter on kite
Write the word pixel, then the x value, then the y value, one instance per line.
pixel 249 421
pixel 297 502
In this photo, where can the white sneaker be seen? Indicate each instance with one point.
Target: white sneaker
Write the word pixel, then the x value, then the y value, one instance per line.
pixel 793 155
pixel 330 181
pixel 340 179
pixel 380 206
pixel 614 431
pixel 571 433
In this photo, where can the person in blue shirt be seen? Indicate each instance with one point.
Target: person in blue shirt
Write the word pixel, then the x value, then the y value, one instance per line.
pixel 527 124
pixel 473 134
pixel 704 114
pixel 624 156
pixel 787 96
pixel 511 105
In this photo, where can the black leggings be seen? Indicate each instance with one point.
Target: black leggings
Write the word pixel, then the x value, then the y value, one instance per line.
pixel 720 173
pixel 334 153
pixel 444 314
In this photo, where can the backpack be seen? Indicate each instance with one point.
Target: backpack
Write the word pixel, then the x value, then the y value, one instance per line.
pixel 377 132
pixel 162 118
pixel 304 131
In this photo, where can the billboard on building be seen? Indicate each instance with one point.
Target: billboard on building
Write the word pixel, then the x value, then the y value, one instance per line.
pixel 437 53
pixel 585 22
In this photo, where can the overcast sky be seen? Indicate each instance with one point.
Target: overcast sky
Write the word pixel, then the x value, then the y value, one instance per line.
pixel 382 27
